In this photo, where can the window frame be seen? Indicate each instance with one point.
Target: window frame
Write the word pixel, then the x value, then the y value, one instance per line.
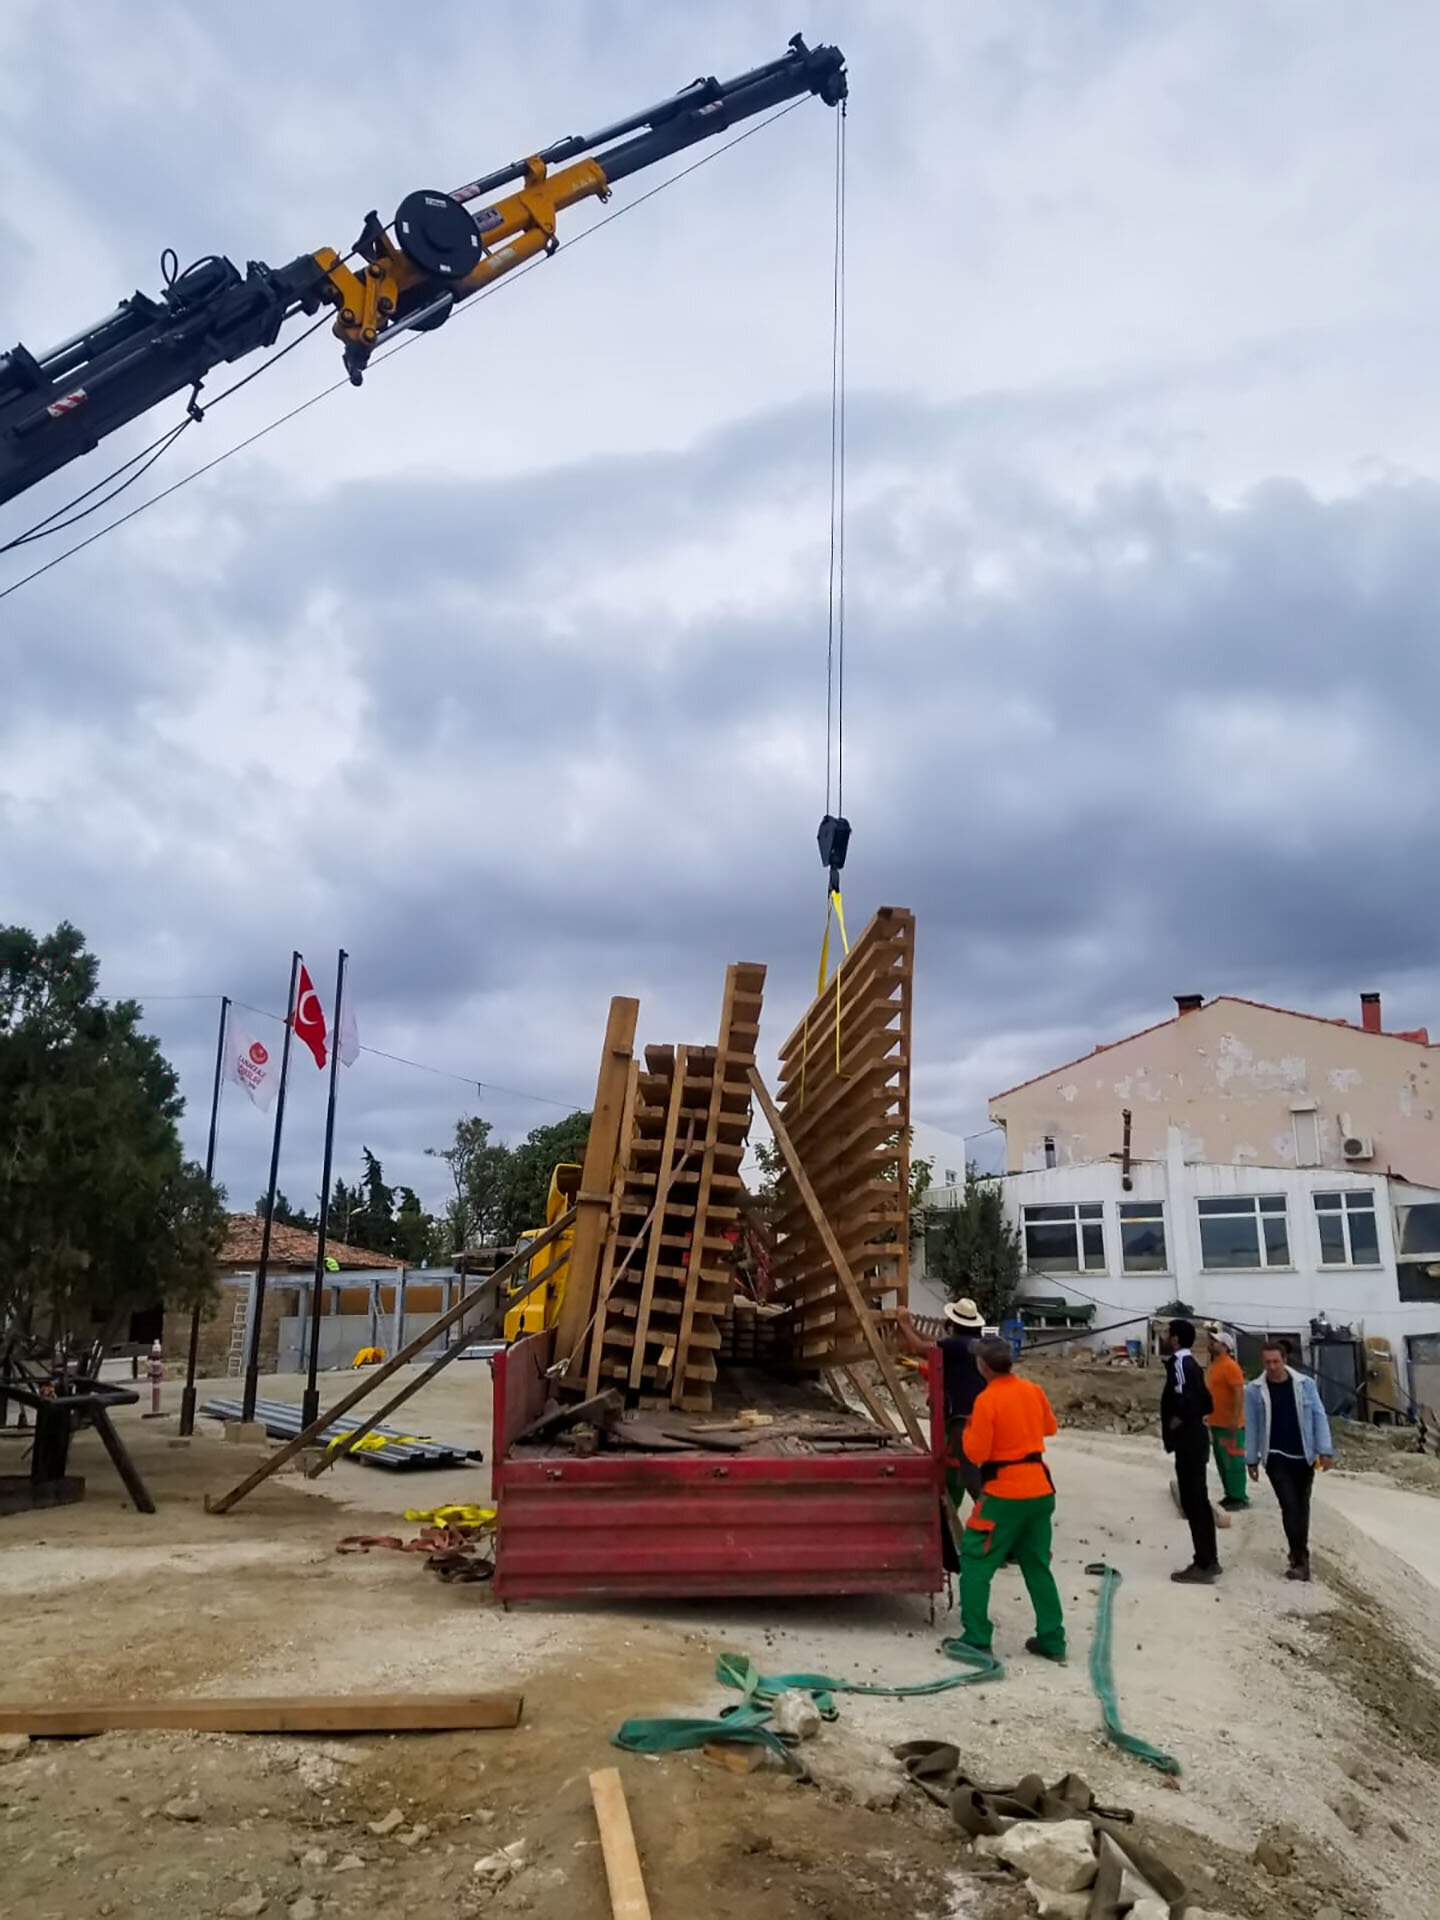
pixel 1344 1195
pixel 1239 1206
pixel 1153 1214
pixel 1083 1213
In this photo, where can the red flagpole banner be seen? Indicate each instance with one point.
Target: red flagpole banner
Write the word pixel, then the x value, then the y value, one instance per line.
pixel 309 1017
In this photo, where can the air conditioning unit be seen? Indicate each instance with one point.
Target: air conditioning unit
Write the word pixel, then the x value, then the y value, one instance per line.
pixel 1358 1146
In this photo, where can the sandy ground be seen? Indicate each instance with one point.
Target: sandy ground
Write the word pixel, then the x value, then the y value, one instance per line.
pixel 1308 1710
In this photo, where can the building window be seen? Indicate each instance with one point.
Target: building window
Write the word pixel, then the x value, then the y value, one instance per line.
pixel 1142 1236
pixel 1348 1235
pixel 1068 1239
pixel 1418 1267
pixel 952 1178
pixel 1306 1122
pixel 1244 1230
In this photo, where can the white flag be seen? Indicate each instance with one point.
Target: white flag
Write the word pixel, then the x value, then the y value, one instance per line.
pixel 349 1043
pixel 251 1065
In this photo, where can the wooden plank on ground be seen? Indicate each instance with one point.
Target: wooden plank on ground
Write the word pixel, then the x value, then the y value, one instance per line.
pixel 628 1899
pixel 300 1713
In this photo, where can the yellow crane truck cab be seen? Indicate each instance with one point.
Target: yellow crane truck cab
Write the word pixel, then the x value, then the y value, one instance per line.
pixel 541 1308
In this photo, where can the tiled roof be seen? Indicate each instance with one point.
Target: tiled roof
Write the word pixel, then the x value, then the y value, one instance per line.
pixel 1419 1037
pixel 290 1247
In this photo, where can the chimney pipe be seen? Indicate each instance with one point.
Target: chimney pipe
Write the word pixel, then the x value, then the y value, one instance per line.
pixel 1370 1013
pixel 1189 1002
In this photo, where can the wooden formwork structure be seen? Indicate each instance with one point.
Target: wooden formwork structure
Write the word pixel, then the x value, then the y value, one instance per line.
pixel 844 1095
pixel 664 1283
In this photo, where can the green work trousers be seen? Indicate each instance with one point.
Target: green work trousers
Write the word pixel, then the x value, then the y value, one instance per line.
pixel 1229 1446
pixel 1001 1530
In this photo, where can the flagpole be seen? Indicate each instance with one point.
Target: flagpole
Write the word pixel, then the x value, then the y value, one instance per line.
pixel 252 1358
pixel 310 1404
pixel 187 1398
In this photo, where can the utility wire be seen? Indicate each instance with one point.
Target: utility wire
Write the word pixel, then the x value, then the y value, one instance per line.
pixel 379 360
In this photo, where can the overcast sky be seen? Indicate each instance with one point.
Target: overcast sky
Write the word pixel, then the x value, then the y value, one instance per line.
pixel 507 672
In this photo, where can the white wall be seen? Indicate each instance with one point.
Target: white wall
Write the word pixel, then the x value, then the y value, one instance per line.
pixel 1274 1298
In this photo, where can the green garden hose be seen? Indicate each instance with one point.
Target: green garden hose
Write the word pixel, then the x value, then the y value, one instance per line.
pixel 1102 1677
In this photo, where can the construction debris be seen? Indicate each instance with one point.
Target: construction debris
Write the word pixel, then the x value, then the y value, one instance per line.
pixel 384 1447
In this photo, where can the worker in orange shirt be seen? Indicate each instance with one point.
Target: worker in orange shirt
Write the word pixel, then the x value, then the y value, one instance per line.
pixel 1005 1438
pixel 1226 1419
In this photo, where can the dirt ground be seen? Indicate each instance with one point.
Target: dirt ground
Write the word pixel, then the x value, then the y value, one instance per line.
pixel 1305 1717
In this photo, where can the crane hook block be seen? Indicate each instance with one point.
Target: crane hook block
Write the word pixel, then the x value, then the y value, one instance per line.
pixel 437 233
pixel 834 838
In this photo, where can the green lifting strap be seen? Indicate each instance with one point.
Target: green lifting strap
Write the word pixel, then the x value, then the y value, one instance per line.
pixel 1102 1677
pixel 748 1721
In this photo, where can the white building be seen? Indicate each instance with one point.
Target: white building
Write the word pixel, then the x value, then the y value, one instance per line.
pixel 1261 1166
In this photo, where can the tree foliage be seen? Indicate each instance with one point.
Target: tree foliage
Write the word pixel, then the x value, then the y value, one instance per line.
pixel 972 1249
pixel 500 1190
pixel 286 1215
pixel 100 1213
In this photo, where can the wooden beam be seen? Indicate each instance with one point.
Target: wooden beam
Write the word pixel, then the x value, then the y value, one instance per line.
pixel 302 1713
pixel 859 1305
pixel 666 1176
pixel 222 1503
pixel 592 1203
pixel 628 1899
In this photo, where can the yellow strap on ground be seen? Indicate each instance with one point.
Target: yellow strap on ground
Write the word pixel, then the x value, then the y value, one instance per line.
pixel 373 1442
pixel 458 1516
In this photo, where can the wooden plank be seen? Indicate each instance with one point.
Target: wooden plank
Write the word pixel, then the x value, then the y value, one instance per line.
pixel 874 1407
pixel 664 1178
pixel 302 1713
pixel 744 988
pixel 612 1250
pixel 592 1202
pixel 628 1899
pixel 859 1306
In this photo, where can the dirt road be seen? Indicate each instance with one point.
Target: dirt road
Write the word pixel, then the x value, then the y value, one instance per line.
pixel 1311 1709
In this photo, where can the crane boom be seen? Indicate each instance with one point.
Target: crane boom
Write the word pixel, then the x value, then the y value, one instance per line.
pixel 439 250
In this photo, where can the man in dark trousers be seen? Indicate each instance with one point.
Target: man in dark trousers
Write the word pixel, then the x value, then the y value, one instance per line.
pixel 964 1324
pixel 1288 1433
pixel 1184 1405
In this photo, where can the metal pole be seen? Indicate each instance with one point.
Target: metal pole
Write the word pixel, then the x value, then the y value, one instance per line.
pixel 310 1402
pixel 187 1398
pixel 257 1297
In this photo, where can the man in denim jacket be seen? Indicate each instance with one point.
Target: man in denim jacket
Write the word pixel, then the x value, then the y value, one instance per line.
pixel 1287 1432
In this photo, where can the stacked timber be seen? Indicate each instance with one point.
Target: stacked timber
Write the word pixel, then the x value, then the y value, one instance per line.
pixel 844 1097
pixel 665 1276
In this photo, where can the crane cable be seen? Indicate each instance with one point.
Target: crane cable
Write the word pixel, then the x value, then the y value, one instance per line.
pixel 834 833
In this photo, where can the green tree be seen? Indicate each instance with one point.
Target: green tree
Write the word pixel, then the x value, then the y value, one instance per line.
pixel 476 1163
pixel 286 1215
pixel 525 1172
pixel 100 1213
pixel 973 1249
pixel 414 1231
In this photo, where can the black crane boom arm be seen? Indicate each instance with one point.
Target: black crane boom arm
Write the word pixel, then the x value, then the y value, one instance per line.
pixel 439 250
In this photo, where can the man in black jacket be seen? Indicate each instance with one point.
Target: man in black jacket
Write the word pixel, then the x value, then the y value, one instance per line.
pixel 1183 1407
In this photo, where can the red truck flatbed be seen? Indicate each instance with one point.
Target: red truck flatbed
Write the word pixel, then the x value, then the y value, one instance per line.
pixel 786 1515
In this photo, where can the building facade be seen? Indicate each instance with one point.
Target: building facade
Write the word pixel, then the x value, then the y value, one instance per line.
pixel 1269 1169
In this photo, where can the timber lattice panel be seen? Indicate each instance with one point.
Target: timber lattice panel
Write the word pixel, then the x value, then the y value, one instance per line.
pixel 665 1283
pixel 844 1095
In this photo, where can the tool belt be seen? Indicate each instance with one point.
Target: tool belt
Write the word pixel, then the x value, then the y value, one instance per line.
pixel 993 1467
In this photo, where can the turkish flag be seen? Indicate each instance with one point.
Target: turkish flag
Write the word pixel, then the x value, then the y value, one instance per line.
pixel 308 1019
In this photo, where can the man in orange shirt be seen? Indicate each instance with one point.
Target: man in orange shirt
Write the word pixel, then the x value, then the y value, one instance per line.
pixel 1226 1419
pixel 1005 1438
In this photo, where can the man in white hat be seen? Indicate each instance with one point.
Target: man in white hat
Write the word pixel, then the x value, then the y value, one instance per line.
pixel 964 1383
